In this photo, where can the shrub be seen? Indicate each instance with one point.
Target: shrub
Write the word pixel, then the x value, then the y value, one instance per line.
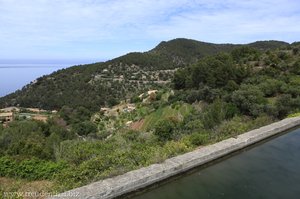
pixel 31 169
pixel 261 121
pixel 213 114
pixel 198 139
pixel 233 127
pixel 250 100
pixel 173 148
pixel 284 104
pixel 296 68
pixel 295 51
pixel 294 115
pixel 193 124
pixel 135 99
pixel 271 87
pixel 164 129
pixel 193 96
pixel 84 128
pixel 75 152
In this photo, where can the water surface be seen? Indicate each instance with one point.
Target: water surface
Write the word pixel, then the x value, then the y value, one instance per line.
pixel 267 171
pixel 15 77
pixel 15 74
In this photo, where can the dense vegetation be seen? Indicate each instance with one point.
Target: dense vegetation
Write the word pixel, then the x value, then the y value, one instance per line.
pixel 255 82
pixel 105 84
pixel 210 98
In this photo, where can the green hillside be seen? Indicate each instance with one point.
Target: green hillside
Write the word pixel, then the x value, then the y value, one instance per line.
pixel 206 100
pixel 105 84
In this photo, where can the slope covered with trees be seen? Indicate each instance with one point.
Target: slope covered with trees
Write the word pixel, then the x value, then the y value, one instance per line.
pixel 210 99
pixel 105 84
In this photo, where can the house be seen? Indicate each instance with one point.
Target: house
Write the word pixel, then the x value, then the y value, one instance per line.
pixel 130 108
pixel 152 92
pixel 149 93
pixel 6 117
pixel 36 110
pixel 10 109
pixel 42 118
pixel 104 110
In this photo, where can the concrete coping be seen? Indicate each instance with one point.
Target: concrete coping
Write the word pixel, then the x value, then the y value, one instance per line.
pixel 141 178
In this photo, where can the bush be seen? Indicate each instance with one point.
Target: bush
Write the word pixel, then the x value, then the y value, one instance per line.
pixel 250 100
pixel 173 148
pixel 84 128
pixel 193 96
pixel 31 169
pixel 164 129
pixel 261 121
pixel 271 87
pixel 294 115
pixel 296 68
pixel 135 99
pixel 198 139
pixel 284 105
pixel 192 124
pixel 239 125
pixel 295 51
pixel 244 52
pixel 213 114
pixel 233 127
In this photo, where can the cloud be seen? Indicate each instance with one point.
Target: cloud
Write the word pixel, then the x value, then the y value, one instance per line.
pixel 236 22
pixel 107 28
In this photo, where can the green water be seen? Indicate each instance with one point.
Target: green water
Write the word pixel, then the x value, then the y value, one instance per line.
pixel 270 170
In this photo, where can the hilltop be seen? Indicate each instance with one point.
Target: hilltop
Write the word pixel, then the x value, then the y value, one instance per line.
pixel 107 83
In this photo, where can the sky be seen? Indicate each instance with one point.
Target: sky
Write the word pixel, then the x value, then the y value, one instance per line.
pixel 104 29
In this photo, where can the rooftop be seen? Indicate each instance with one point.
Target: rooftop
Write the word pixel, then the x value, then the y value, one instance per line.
pixel 6 114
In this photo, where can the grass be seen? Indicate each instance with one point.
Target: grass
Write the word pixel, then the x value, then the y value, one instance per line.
pixel 178 112
pixel 294 115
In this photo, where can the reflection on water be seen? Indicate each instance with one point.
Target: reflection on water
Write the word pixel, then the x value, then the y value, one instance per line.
pixel 270 170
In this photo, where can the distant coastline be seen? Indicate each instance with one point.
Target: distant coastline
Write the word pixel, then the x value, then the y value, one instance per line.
pixel 14 77
pixel 15 74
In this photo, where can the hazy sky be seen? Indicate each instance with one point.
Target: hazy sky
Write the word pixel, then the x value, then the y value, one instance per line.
pixel 101 29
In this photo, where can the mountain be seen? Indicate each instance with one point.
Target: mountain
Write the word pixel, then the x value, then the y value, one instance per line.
pixel 216 98
pixel 268 45
pixel 107 83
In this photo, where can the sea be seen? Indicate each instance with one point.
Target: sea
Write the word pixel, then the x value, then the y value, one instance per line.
pixel 15 74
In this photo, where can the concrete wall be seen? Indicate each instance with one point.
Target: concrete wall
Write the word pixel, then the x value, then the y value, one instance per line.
pixel 133 180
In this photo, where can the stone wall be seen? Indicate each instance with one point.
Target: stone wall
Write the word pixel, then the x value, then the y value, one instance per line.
pixel 133 180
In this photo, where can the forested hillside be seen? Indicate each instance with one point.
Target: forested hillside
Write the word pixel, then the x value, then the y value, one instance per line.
pixel 106 84
pixel 211 96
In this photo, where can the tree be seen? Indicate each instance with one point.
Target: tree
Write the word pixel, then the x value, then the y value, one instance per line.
pixel 270 87
pixel 84 128
pixel 244 52
pixel 179 79
pixel 72 116
pixel 285 104
pixel 295 51
pixel 296 68
pixel 249 99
